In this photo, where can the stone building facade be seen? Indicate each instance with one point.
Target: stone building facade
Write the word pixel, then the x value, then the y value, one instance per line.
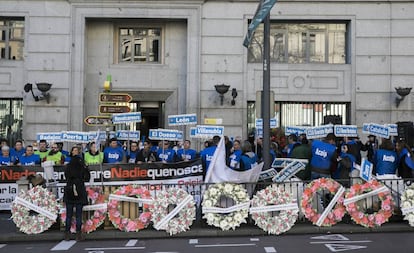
pixel 75 44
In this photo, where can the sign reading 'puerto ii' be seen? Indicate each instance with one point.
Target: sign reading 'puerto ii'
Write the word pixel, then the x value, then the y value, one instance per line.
pixel 73 136
pixel 183 119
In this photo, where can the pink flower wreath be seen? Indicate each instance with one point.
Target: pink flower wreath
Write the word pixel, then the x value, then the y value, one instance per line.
pixel 136 193
pixel 98 216
pixel 376 218
pixel 338 211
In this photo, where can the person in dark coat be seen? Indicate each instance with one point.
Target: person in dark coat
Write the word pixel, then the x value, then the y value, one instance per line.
pixel 75 195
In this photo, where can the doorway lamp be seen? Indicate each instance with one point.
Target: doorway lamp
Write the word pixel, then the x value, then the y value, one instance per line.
pixel 42 87
pixel 402 92
pixel 222 89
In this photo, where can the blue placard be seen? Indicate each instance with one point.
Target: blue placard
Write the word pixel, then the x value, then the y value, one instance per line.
pixel 379 130
pixel 56 136
pixel 129 117
pixel 346 130
pixel 318 132
pixel 272 124
pixel 193 132
pixel 128 135
pixel 204 130
pixel 101 137
pixel 165 134
pixel 183 119
pixel 295 130
pixel 366 170
pixel 392 129
pixel 72 136
pixel 365 128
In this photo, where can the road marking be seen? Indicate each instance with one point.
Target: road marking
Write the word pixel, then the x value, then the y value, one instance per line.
pixel 114 248
pixel 225 245
pixel 343 247
pixel 131 243
pixel 254 239
pixel 323 242
pixel 270 250
pixel 2 245
pixel 193 241
pixel 336 237
pixel 63 245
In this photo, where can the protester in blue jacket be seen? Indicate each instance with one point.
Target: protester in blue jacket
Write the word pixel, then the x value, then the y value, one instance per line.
pixel 186 153
pixel 323 155
pixel 207 153
pixel 29 158
pixel 405 160
pixel 385 159
pixel 166 154
pixel 114 153
pixel 235 155
pixel 248 158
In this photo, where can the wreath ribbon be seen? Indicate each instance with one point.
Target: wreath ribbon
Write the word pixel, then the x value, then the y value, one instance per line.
pixel 331 204
pixel 35 208
pixel 102 206
pixel 129 199
pixel 365 195
pixel 407 210
pixel 163 222
pixel 269 208
pixel 227 209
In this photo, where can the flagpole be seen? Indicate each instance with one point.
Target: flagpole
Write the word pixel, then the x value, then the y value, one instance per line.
pixel 266 92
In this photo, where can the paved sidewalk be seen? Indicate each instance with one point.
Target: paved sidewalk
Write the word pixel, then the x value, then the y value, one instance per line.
pixel 9 232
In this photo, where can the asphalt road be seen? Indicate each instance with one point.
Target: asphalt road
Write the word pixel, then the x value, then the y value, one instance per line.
pixel 359 243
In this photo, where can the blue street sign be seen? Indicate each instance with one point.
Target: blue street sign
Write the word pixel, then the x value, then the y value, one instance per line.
pixel 183 119
pixel 128 117
pixel 72 136
pixel 128 135
pixel 346 130
pixel 56 136
pixel 207 130
pixel 366 170
pixel 165 134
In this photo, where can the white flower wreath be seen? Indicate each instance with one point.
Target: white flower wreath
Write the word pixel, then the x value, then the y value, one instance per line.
pixel 185 209
pixel 45 207
pixel 274 199
pixel 407 205
pixel 230 217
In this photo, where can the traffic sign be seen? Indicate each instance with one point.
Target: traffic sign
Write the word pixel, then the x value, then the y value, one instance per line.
pixel 114 98
pixel 109 109
pixel 98 120
pixel 120 118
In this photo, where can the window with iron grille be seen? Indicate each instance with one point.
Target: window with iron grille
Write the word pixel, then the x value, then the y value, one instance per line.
pixel 11 119
pixel 303 114
pixel 302 42
pixel 11 38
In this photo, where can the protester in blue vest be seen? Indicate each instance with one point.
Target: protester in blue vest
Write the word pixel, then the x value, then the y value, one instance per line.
pixel 29 158
pixel 186 153
pixel 235 155
pixel 166 154
pixel 248 158
pixel 323 157
pixel 114 152
pixel 385 159
pixel 207 153
pixel 405 160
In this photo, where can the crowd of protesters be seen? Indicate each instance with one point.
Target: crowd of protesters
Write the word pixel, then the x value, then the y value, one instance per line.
pixel 329 157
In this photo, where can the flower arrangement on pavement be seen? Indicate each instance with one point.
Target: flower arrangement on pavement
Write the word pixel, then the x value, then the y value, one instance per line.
pixel 407 204
pixel 44 209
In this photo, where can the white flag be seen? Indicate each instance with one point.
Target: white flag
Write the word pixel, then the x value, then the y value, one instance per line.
pixel 218 171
